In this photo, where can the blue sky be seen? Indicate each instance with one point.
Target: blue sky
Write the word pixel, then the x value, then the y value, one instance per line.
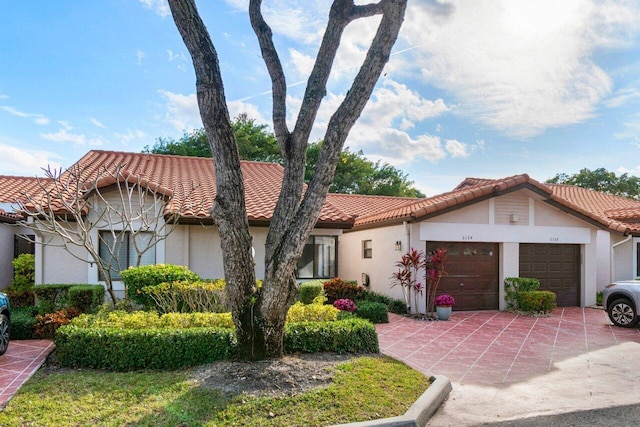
pixel 481 89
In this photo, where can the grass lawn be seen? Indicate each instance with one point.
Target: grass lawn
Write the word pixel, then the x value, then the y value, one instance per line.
pixel 364 388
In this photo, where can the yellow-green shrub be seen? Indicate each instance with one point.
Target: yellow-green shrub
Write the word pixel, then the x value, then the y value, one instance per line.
pixel 151 320
pixel 314 312
pixel 186 296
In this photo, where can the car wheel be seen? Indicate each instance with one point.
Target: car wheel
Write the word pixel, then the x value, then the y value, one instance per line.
pixel 622 313
pixel 4 333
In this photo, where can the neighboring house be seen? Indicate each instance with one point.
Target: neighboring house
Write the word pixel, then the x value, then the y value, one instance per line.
pixel 11 242
pixel 194 242
pixel 573 239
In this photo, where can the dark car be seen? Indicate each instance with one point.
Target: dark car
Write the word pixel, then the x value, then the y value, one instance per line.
pixel 621 300
pixel 5 322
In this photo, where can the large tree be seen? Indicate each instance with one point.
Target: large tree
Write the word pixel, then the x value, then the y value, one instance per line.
pixel 355 174
pixel 255 142
pixel 259 314
pixel 602 180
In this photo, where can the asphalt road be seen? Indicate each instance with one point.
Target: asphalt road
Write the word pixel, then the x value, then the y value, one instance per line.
pixel 619 416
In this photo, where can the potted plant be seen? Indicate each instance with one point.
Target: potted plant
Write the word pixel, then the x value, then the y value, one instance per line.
pixel 443 306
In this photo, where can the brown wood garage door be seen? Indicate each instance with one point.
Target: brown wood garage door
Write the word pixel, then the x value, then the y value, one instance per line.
pixel 556 266
pixel 472 274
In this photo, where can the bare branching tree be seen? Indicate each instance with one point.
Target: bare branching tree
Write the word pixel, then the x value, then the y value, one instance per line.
pixel 103 214
pixel 259 314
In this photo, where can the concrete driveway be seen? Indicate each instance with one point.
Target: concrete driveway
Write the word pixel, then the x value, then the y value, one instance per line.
pixel 504 366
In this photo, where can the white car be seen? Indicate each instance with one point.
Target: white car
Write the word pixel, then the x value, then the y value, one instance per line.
pixel 621 300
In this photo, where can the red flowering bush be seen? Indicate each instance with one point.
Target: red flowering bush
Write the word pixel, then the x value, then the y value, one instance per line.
pixel 445 300
pixel 345 304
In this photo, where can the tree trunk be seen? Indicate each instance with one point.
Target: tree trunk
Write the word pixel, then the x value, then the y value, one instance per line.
pixel 259 314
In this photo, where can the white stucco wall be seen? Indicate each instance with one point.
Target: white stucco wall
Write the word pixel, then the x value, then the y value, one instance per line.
pixel 622 260
pixel 56 265
pixel 511 219
pixel 381 265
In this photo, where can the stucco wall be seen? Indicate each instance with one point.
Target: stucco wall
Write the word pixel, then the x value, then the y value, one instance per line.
pixel 622 262
pixel 381 265
pixel 56 265
pixel 6 254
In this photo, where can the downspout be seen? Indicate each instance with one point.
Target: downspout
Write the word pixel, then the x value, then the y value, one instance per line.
pixel 407 231
pixel 613 258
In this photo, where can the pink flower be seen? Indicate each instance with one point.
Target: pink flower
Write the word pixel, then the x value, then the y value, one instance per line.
pixel 445 300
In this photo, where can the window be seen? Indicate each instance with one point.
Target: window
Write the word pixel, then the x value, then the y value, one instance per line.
pixel 119 252
pixel 367 249
pixel 23 244
pixel 318 258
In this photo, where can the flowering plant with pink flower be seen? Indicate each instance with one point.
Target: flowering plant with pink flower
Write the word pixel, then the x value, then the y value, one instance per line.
pixel 444 300
pixel 345 304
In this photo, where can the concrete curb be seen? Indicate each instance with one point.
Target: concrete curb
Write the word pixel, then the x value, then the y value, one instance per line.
pixel 419 413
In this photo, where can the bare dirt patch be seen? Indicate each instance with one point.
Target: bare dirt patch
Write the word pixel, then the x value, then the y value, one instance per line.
pixel 287 376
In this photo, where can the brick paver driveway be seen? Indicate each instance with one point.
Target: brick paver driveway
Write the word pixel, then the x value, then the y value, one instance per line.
pixel 503 366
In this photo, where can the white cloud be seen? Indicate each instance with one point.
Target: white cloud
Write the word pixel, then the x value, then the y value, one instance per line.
pixel 16 161
pixel 139 57
pixel 2 96
pixel 176 56
pixel 131 135
pixel 622 97
pixel 38 119
pixel 519 66
pixel 161 7
pixel 182 111
pixel 65 125
pixel 97 123
pixel 456 148
pixel 63 136
pixel 184 115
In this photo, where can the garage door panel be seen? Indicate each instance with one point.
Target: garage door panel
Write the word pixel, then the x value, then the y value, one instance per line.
pixel 475 266
pixel 556 266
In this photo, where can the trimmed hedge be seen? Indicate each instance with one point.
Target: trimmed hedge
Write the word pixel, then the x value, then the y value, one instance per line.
pixel 537 301
pixel 150 320
pixel 19 298
pixel 52 297
pixel 310 290
pixel 376 312
pixel 136 278
pixel 121 349
pixel 342 336
pixel 23 321
pixel 133 349
pixel 86 298
pixel 398 306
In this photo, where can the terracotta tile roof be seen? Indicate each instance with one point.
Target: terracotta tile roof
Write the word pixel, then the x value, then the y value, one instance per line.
pixel 616 213
pixel 191 181
pixel 358 205
pixel 13 188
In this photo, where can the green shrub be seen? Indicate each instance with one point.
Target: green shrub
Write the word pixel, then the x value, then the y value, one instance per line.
pixel 376 312
pixel 23 321
pixel 398 306
pixel 189 296
pixel 20 297
pixel 86 298
pixel 51 298
pixel 24 272
pixel 513 286
pixel 133 349
pixel 367 295
pixel 309 290
pixel 599 298
pixel 136 278
pixel 537 301
pixel 315 312
pixel 341 336
pixel 339 289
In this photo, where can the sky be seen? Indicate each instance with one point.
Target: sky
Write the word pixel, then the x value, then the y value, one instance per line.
pixel 484 89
